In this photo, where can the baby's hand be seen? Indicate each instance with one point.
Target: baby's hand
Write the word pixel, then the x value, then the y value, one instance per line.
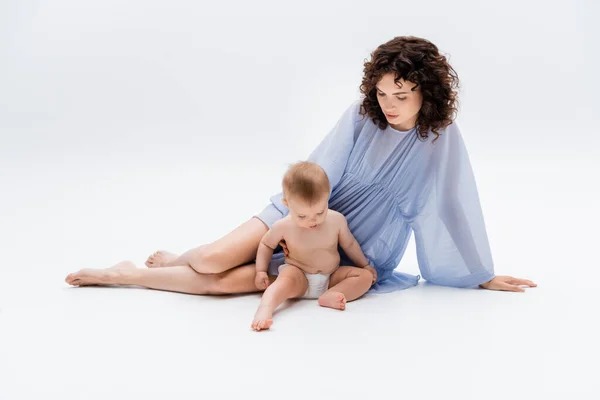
pixel 372 271
pixel 262 280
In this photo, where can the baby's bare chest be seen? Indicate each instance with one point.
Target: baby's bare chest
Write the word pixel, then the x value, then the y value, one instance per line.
pixel 306 240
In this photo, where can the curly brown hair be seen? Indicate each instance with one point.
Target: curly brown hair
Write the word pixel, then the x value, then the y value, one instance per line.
pixel 415 60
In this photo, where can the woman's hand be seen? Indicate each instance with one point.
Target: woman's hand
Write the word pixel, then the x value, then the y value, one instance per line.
pixel 262 280
pixel 507 283
pixel 286 252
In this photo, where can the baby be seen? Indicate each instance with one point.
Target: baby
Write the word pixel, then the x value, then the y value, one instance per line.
pixel 311 233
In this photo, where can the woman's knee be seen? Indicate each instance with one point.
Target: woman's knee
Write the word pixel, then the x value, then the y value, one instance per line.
pixel 208 259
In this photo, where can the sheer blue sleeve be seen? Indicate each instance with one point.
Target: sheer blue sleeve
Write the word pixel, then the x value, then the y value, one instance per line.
pixel 450 233
pixel 331 154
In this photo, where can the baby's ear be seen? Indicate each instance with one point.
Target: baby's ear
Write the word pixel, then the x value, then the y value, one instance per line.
pixel 284 201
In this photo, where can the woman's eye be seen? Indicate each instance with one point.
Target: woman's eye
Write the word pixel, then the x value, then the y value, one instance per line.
pixel 380 94
pixel 401 98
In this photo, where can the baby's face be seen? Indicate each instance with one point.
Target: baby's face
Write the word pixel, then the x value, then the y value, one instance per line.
pixel 307 215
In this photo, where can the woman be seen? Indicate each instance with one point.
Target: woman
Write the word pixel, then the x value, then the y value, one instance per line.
pixel 397 164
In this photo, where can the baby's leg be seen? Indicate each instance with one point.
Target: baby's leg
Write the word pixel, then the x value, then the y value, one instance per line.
pixel 290 283
pixel 346 284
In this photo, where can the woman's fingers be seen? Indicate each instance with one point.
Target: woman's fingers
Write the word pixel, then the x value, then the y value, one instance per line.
pixel 511 288
pixel 517 281
pixel 507 283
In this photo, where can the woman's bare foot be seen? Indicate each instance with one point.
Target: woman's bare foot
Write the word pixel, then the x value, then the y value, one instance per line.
pixel 335 300
pixel 262 319
pixel 92 276
pixel 160 259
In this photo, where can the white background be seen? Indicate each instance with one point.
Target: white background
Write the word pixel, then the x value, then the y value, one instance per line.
pixel 132 126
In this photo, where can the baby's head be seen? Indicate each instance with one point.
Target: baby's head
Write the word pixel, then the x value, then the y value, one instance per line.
pixel 306 192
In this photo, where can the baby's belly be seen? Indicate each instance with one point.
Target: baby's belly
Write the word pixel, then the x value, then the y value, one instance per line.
pixel 322 261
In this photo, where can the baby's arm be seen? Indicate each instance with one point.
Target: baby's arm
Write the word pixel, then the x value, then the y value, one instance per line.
pixel 267 246
pixel 351 247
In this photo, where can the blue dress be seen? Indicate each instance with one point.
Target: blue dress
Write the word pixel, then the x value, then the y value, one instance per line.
pixel 389 183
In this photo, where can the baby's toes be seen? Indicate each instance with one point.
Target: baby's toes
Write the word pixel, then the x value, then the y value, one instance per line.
pixel 265 324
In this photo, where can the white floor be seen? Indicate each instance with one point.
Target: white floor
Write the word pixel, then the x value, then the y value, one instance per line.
pixel 425 342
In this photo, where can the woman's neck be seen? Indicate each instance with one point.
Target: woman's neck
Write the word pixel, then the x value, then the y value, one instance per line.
pixel 404 126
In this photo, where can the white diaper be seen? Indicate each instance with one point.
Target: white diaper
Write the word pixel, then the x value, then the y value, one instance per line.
pixel 317 284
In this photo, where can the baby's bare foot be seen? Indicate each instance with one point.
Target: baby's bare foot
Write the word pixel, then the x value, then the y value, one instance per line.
pixel 92 276
pixel 160 259
pixel 262 319
pixel 335 300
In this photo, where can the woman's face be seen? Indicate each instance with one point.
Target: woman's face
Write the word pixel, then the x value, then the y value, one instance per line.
pixel 399 102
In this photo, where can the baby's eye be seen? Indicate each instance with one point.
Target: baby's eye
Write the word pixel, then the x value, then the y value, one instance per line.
pixel 321 213
pixel 301 216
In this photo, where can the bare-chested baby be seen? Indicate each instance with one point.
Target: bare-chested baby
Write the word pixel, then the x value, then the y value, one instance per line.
pixel 311 233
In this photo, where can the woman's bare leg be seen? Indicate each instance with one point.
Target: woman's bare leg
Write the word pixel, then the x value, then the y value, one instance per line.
pixel 236 248
pixel 175 279
pixel 346 284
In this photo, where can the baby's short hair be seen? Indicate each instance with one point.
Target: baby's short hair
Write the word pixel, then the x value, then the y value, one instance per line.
pixel 306 181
